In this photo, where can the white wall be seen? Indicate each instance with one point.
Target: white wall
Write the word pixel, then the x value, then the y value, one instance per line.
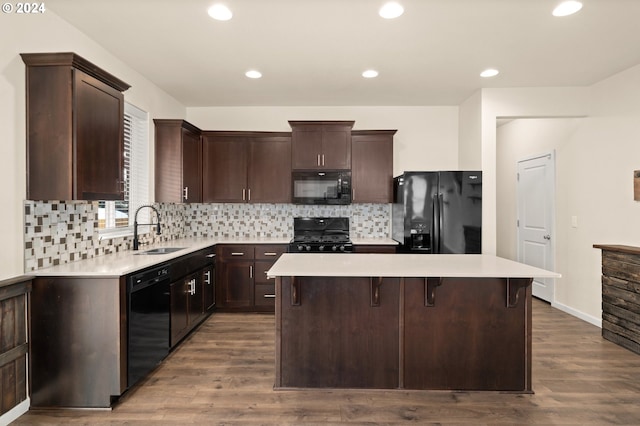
pixel 596 157
pixel 427 137
pixel 47 33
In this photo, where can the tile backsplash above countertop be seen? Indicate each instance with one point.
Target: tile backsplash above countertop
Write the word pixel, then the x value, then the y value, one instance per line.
pixel 59 232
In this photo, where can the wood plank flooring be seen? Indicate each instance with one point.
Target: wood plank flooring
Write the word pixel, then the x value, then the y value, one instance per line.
pixel 224 374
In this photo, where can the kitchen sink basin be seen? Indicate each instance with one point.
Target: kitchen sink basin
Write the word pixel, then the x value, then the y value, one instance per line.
pixel 161 250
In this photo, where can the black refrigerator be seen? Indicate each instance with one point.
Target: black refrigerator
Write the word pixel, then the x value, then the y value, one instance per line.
pixel 438 212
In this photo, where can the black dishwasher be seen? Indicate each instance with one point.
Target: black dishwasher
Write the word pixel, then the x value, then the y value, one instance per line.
pixel 148 321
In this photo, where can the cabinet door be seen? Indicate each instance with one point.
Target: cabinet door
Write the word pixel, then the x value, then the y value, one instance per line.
pixel 98 118
pixel 372 168
pixel 306 148
pixel 269 173
pixel 236 283
pixel 224 169
pixel 191 167
pixel 179 311
pixel 196 297
pixel 336 147
pixel 208 288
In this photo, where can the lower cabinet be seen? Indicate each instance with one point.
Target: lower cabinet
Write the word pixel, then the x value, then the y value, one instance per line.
pixel 14 346
pixel 379 248
pixel 192 295
pixel 242 280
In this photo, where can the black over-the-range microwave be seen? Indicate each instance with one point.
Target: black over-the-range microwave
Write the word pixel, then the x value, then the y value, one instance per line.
pixel 321 187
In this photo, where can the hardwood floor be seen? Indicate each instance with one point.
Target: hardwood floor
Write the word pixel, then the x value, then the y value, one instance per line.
pixel 224 374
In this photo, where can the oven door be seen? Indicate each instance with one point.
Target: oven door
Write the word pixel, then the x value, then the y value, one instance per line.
pixel 321 187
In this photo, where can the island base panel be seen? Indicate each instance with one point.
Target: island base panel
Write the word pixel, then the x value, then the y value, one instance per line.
pixel 338 333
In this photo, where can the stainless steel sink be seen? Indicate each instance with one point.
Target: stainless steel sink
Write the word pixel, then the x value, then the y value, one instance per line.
pixel 161 250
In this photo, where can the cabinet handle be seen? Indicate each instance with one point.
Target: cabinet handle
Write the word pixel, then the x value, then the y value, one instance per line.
pixel 323 159
pixel 211 255
pixel 249 194
pixel 270 253
pixel 207 277
pixel 192 287
pixel 186 193
pixel 250 271
pixel 243 194
pixel 237 253
pixel 318 159
pixel 269 296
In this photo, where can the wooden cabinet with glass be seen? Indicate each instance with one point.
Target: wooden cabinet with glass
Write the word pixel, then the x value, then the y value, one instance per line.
pixel 178 165
pixel 75 129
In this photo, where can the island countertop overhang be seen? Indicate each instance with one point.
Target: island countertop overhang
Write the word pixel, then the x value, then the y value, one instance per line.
pixel 403 265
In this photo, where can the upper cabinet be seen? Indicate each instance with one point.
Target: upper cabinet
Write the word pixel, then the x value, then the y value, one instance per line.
pixel 75 129
pixel 318 145
pixel 178 153
pixel 372 166
pixel 247 167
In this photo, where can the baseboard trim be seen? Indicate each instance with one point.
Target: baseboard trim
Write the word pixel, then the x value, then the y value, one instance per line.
pixel 578 314
pixel 15 412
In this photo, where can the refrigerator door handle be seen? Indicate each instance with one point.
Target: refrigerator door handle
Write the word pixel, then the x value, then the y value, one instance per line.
pixel 440 221
pixel 435 228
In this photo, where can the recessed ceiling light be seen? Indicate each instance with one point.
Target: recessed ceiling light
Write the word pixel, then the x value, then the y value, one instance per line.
pixel 253 74
pixel 391 10
pixel 220 12
pixel 490 72
pixel 567 8
pixel 370 74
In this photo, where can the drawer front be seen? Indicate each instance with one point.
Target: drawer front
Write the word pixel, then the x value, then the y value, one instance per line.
pixel 235 251
pixel 265 295
pixel 269 251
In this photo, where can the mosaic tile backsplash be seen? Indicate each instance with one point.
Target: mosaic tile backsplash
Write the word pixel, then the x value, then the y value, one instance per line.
pixel 65 231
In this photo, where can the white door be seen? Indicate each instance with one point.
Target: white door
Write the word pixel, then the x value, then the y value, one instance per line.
pixel 536 207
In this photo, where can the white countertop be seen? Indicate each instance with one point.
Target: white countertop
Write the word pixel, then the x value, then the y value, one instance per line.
pixel 403 265
pixel 126 262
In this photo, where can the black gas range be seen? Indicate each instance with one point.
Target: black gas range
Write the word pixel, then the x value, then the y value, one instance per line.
pixel 320 235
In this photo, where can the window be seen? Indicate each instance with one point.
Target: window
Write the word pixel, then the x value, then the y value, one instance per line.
pixel 115 217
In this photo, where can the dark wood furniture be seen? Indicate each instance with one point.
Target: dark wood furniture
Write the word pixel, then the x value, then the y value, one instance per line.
pixel 192 292
pixel 178 162
pixel 371 248
pixel 318 145
pixel 78 331
pixel 14 346
pixel 242 284
pixel 404 333
pixel 372 166
pixel 621 295
pixel 75 129
pixel 241 167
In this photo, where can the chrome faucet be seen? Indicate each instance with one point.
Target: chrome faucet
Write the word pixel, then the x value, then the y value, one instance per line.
pixel 136 243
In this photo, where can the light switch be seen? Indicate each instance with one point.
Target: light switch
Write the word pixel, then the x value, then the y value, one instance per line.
pixel 574 221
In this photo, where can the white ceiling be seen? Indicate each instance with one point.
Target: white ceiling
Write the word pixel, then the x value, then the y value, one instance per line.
pixel 312 52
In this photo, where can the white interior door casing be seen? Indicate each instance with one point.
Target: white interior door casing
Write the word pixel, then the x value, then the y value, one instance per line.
pixel 536 211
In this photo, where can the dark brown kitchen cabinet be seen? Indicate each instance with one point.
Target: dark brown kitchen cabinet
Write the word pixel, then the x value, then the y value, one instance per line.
pixel 191 291
pixel 14 346
pixel 318 145
pixel 374 248
pixel 372 166
pixel 178 162
pixel 242 283
pixel 247 167
pixel 75 129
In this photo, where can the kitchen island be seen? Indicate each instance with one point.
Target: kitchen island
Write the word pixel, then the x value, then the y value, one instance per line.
pixel 403 321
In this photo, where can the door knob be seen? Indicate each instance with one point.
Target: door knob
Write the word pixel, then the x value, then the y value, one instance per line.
pixel 547 237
